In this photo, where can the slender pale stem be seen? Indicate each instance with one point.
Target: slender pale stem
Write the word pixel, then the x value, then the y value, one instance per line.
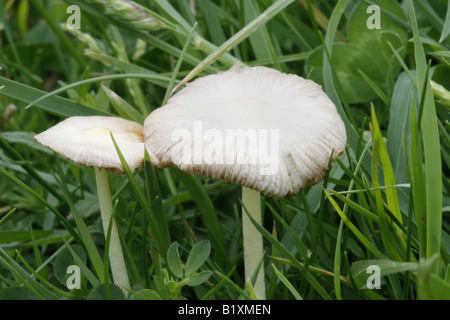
pixel 116 259
pixel 253 241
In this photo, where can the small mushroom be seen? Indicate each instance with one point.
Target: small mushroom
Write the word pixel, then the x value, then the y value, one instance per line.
pixel 87 141
pixel 272 133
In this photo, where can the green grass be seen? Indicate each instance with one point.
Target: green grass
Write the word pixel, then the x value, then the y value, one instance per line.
pixel 384 203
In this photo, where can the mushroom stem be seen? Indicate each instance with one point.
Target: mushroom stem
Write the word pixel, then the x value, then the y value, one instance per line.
pixel 116 259
pixel 253 242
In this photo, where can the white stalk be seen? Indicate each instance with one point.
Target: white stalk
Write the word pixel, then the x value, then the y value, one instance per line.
pixel 116 259
pixel 253 241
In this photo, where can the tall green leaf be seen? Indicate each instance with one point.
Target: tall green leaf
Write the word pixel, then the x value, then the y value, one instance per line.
pixel 418 179
pixel 431 148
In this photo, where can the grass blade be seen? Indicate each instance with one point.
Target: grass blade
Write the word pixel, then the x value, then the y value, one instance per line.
pixel 376 88
pixel 159 229
pixel 39 198
pixel 99 79
pixel 237 38
pixel 208 212
pixel 55 105
pixel 122 107
pixel 178 66
pixel 154 193
pixel 355 230
pixel 358 208
pixel 389 179
pixel 27 167
pixel 329 87
pixel 431 149
pixel 417 179
pixel 28 281
pixel 314 283
pixel 287 283
pixel 386 226
pixel 86 238
pixel 446 29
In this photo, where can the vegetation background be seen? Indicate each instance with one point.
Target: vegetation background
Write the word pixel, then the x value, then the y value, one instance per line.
pixel 385 203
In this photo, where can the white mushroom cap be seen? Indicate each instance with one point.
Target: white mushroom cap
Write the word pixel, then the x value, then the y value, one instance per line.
pixel 289 125
pixel 87 141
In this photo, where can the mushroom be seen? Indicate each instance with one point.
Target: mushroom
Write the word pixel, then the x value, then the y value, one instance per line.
pixel 271 132
pixel 87 141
